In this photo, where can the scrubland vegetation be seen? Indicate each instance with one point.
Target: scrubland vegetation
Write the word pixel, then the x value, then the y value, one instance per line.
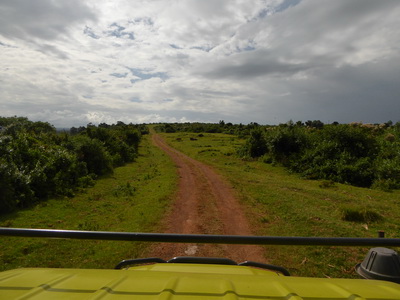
pixel 364 155
pixel 134 198
pixel 36 162
pixel 294 179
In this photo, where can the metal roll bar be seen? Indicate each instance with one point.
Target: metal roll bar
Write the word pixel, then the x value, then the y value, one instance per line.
pixel 199 238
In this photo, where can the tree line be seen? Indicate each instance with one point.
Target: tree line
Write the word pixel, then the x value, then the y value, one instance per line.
pixel 37 162
pixel 240 130
pixel 365 155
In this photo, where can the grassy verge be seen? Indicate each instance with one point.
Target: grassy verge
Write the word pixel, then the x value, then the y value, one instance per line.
pixel 134 198
pixel 283 204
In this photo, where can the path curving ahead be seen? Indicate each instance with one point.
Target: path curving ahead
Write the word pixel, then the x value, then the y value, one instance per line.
pixel 204 204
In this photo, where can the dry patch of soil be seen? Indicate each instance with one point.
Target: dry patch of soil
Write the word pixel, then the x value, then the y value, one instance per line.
pixel 204 204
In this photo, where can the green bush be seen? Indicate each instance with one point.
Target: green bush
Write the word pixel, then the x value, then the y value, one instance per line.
pixel 93 153
pixel 387 164
pixel 36 162
pixel 121 141
pixel 286 143
pixel 359 155
pixel 256 144
pixel 7 186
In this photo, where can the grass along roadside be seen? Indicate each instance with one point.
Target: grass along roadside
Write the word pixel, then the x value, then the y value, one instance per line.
pixel 283 204
pixel 133 199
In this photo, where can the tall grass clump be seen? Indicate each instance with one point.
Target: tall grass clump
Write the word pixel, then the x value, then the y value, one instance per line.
pixel 360 215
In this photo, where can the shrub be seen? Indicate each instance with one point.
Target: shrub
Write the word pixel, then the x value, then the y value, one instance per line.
pixel 387 174
pixel 286 143
pixel 7 187
pixel 92 152
pixel 256 144
pixel 120 141
pixel 36 162
pixel 340 153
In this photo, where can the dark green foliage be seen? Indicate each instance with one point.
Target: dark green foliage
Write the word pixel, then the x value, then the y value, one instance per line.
pixel 341 153
pixel 168 128
pixel 357 154
pixel 36 162
pixel 5 121
pixel 364 155
pixel 314 124
pixel 256 145
pixel 8 174
pixel 286 143
pixel 120 141
pixel 93 153
pixel 221 127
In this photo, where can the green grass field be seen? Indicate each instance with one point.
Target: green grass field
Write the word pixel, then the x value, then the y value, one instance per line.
pixel 137 196
pixel 283 204
pixel 133 199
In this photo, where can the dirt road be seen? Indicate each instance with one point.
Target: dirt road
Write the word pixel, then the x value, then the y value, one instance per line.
pixel 204 204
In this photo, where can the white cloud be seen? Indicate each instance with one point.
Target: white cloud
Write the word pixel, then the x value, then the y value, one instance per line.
pixel 75 62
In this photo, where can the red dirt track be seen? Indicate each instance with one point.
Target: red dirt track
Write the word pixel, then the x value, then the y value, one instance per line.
pixel 204 204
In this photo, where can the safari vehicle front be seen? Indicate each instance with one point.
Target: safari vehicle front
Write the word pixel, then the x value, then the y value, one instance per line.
pixel 199 277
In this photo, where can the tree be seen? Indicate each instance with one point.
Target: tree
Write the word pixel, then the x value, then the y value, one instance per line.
pixel 256 145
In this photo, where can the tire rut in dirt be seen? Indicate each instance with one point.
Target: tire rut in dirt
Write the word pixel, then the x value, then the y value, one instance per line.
pixel 204 204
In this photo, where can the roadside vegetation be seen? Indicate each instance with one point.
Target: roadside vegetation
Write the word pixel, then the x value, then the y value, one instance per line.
pixel 37 163
pixel 286 204
pixel 134 198
pixel 364 155
pixel 264 165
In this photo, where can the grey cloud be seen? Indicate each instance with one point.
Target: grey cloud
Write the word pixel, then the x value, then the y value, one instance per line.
pixel 249 66
pixel 52 50
pixel 263 61
pixel 330 27
pixel 286 4
pixel 324 16
pixel 119 75
pixel 206 23
pixel 43 19
pixel 367 93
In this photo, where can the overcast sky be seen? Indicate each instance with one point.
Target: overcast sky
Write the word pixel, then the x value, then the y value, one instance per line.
pixel 78 61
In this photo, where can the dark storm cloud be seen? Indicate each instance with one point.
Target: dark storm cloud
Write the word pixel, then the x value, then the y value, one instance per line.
pixel 366 92
pixel 258 63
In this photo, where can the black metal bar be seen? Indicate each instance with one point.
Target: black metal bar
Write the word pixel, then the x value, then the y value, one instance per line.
pixel 199 238
pixel 202 260
pixel 138 261
pixel 265 266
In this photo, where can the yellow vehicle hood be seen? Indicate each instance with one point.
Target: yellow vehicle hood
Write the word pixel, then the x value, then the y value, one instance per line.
pixel 185 281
